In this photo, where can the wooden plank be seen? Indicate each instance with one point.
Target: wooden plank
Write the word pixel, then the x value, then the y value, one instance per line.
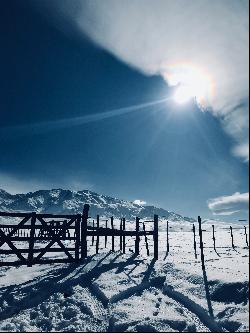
pixel 63 216
pixel 3 251
pixel 116 232
pixel 46 237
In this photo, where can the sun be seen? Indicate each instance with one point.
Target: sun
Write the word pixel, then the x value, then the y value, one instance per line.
pixel 191 83
pixel 183 94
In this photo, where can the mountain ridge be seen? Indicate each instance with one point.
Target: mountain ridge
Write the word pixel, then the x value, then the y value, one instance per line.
pixel 63 201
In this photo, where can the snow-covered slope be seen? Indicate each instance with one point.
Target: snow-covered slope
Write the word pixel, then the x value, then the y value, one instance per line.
pixel 70 202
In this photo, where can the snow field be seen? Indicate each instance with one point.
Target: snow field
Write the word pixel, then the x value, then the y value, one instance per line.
pixel 121 292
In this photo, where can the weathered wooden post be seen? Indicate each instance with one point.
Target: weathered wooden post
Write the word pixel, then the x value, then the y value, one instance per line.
pixel 106 237
pixel 121 234
pixel 137 237
pixel 93 237
pixel 84 226
pixel 246 235
pixel 97 232
pixel 31 239
pixel 123 238
pixel 167 240
pixel 210 309
pixel 214 238
pixel 155 237
pixel 195 252
pixel 113 237
pixel 201 244
pixel 232 237
pixel 78 237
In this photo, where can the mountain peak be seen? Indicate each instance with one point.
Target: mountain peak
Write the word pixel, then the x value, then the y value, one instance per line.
pixel 64 201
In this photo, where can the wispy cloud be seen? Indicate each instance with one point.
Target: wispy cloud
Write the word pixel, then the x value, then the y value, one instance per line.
pixel 139 202
pixel 228 205
pixel 155 36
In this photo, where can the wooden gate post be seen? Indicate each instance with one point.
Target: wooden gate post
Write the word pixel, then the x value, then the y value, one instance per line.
pixel 155 236
pixel 78 236
pixel 137 237
pixel 85 215
pixel 31 240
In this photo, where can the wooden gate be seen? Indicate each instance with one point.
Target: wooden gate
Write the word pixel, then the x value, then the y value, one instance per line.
pixel 40 235
pixel 36 237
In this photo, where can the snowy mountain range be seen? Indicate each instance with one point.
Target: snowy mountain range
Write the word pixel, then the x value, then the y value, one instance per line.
pixel 62 201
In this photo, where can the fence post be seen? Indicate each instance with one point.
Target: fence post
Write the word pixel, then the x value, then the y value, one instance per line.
pixel 210 309
pixel 246 235
pixel 97 230
pixel 113 237
pixel 121 234
pixel 167 240
pixel 84 225
pixel 232 236
pixel 155 236
pixel 93 237
pixel 214 237
pixel 137 237
pixel 106 237
pixel 31 240
pixel 195 253
pixel 123 239
pixel 78 237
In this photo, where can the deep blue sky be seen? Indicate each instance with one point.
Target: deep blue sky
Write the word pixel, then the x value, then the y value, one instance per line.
pixel 172 156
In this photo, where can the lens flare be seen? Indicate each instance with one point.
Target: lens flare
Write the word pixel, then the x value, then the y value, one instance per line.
pixel 191 82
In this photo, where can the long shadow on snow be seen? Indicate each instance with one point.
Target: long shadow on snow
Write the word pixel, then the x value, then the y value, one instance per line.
pixel 36 291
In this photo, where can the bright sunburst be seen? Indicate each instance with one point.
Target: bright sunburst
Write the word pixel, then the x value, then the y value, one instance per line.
pixel 191 83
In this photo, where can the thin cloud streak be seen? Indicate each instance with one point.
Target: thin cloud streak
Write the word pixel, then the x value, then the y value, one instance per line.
pixel 228 205
pixel 41 127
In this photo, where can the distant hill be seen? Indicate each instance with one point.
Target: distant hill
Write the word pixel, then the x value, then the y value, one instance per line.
pixel 71 202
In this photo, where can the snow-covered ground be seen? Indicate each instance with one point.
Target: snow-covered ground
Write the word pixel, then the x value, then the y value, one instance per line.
pixel 116 292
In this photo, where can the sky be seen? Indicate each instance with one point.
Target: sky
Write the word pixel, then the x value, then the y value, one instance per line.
pixel 87 102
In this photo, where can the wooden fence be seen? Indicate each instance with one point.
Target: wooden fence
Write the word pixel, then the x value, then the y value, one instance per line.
pixel 34 229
